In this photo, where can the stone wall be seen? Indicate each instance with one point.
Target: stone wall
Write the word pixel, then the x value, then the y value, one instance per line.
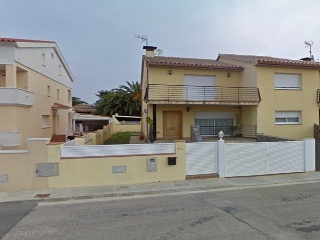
pixel 316 131
pixel 267 138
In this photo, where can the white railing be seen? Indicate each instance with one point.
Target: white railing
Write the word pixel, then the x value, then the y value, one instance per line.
pixel 16 96
pixel 117 150
pixel 10 138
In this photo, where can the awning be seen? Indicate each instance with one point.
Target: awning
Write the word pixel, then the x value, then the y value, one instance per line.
pixel 59 106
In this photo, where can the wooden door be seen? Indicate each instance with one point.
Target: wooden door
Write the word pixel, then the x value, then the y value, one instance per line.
pixel 172 122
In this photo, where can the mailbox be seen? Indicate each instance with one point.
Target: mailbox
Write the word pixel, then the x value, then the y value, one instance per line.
pixel 172 160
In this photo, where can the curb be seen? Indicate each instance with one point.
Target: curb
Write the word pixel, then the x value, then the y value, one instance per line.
pixel 164 191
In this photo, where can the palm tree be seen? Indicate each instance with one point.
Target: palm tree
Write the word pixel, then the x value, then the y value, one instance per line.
pixel 125 100
pixel 76 101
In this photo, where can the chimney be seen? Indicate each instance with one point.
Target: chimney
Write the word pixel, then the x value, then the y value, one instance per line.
pixel 149 50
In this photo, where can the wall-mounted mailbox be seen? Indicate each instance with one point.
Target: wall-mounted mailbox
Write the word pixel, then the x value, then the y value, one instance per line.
pixel 151 164
pixel 172 160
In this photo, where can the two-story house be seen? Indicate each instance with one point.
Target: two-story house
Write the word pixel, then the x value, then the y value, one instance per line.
pixel 182 92
pixel 288 89
pixel 241 95
pixel 35 91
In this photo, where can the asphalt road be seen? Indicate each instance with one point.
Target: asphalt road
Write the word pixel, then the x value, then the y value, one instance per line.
pixel 285 212
pixel 11 213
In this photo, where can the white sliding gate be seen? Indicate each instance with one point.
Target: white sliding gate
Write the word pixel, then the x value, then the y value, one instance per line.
pixel 247 159
pixel 201 158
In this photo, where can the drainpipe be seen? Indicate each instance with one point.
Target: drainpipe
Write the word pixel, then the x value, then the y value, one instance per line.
pixel 154 119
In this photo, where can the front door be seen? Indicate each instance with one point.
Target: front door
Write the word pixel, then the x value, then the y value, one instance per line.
pixel 172 122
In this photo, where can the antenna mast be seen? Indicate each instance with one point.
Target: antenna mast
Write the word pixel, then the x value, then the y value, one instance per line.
pixel 144 38
pixel 309 45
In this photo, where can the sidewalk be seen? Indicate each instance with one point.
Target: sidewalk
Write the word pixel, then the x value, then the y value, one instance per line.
pixel 63 194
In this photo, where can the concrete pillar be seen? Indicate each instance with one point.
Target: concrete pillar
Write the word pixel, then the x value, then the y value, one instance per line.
pixel 221 158
pixel 309 155
pixel 11 76
pixel 181 157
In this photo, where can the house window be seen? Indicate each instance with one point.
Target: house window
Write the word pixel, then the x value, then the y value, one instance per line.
pixel 43 59
pixel 287 81
pixel 210 123
pixel 288 117
pixel 199 87
pixel 69 96
pixel 45 121
pixel 58 93
pixel 48 91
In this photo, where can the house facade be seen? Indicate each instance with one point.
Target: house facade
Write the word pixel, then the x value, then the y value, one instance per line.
pixel 289 107
pixel 240 95
pixel 183 92
pixel 35 91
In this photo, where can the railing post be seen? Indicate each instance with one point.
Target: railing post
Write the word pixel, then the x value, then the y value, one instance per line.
pixel 221 158
pixel 309 155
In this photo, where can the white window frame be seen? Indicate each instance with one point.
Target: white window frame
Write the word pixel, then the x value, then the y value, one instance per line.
pixel 288 81
pixel 287 117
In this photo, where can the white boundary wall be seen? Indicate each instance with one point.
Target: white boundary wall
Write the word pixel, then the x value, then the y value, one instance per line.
pixel 116 150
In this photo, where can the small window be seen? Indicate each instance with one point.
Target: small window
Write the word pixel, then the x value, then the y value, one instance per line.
pixel 45 121
pixel 69 96
pixel 52 55
pixel 288 117
pixel 58 93
pixel 287 81
pixel 48 91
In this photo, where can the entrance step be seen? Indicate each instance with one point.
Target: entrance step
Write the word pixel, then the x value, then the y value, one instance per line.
pixel 202 176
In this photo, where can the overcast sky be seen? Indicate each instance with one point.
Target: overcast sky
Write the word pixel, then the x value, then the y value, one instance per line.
pixel 97 40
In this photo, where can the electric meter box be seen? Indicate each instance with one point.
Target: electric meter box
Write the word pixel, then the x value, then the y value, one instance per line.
pixel 151 164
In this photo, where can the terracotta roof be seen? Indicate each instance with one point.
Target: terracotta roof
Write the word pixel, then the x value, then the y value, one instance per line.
pixel 23 40
pixel 61 106
pixel 189 62
pixel 265 60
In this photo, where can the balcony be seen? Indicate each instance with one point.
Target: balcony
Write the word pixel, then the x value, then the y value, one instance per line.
pixel 182 94
pixel 16 97
pixel 10 140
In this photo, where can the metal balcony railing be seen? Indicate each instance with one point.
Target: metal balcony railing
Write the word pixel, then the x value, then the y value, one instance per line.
pixel 234 131
pixel 188 93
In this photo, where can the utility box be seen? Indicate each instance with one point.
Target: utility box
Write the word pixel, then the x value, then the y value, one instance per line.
pixel 172 160
pixel 151 164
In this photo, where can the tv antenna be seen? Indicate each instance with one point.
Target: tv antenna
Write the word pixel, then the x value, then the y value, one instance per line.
pixel 143 38
pixel 309 45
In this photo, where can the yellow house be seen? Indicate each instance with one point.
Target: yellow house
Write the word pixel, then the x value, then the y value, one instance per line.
pixel 288 89
pixel 35 91
pixel 240 95
pixel 182 92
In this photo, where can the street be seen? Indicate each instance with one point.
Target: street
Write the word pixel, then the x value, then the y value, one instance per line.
pixel 282 212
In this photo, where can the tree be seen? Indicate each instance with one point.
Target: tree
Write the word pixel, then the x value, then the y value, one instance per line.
pixel 76 101
pixel 125 100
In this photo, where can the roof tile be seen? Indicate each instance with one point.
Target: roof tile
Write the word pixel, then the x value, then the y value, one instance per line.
pixel 265 60
pixel 23 40
pixel 189 62
pixel 59 106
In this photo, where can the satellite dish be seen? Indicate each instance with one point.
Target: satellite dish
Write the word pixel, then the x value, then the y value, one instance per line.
pixel 158 52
